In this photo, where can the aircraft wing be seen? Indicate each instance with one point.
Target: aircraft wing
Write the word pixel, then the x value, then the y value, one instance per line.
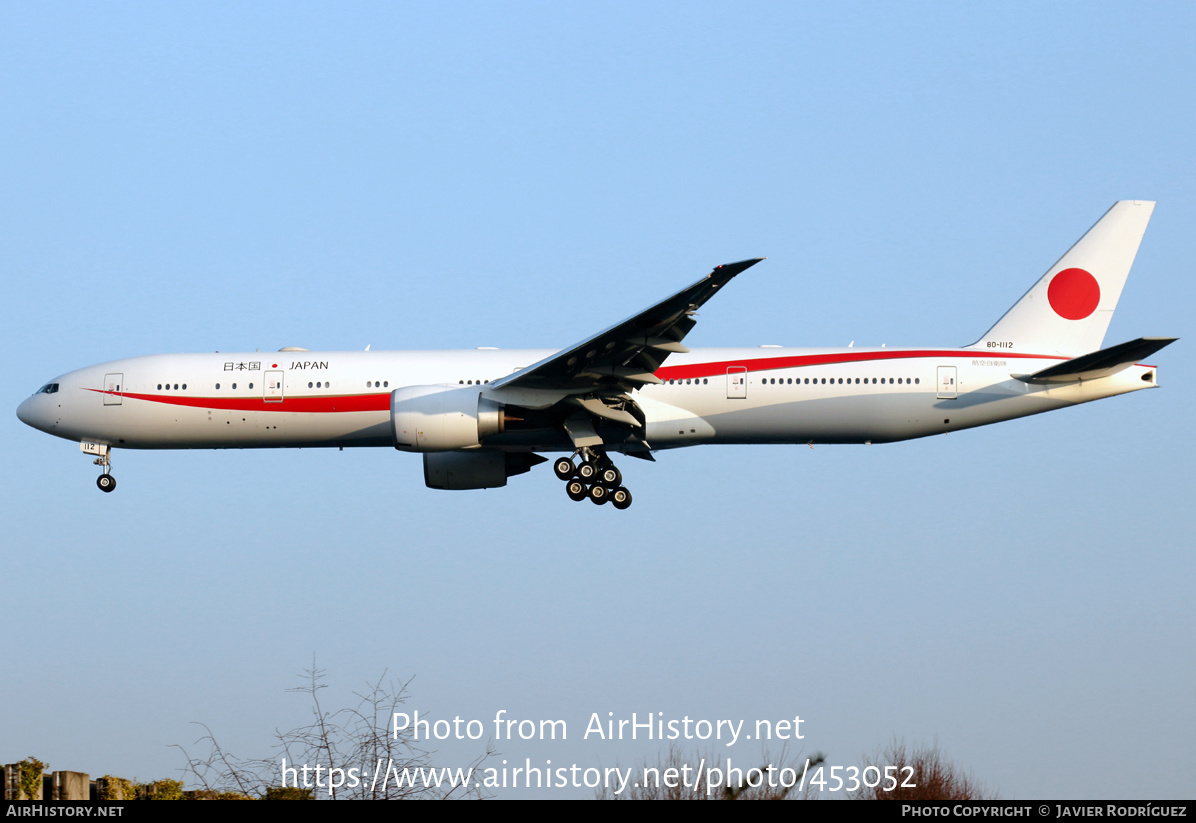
pixel 620 359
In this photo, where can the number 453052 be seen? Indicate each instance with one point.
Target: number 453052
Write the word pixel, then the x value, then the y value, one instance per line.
pixel 850 778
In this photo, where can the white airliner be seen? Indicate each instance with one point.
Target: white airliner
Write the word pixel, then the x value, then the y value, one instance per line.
pixel 479 417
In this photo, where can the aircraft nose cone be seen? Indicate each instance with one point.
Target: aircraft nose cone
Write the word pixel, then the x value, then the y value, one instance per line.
pixel 24 412
pixel 30 413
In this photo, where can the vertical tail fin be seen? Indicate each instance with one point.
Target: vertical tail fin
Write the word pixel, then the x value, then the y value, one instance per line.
pixel 1068 311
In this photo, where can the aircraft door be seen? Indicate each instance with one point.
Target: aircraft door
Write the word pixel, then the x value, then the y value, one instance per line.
pixel 112 389
pixel 273 386
pixel 948 390
pixel 736 382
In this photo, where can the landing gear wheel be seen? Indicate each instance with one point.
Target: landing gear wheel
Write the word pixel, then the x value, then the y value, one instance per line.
pixel 599 494
pixel 576 490
pixel 621 498
pixel 106 482
pixel 564 468
pixel 610 476
pixel 587 471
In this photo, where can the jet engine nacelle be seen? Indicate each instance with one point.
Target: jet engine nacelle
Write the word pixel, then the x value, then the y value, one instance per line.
pixel 478 469
pixel 435 418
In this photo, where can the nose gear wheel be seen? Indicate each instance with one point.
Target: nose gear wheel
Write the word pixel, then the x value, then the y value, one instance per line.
pixel 106 482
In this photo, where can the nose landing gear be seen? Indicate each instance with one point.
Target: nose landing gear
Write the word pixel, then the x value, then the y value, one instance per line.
pixel 105 481
pixel 595 477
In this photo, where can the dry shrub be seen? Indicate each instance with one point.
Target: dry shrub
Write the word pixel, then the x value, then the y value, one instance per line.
pixel 932 776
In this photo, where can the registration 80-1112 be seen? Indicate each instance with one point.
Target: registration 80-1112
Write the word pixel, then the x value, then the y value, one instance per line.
pixel 852 778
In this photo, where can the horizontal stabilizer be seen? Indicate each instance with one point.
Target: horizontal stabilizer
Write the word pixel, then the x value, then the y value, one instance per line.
pixel 1099 363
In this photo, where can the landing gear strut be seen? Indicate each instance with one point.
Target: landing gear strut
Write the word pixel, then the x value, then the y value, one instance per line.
pixel 594 477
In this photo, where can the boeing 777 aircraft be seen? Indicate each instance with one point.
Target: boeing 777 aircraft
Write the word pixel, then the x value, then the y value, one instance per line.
pixel 479 417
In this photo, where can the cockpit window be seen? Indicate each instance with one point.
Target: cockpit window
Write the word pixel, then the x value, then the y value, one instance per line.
pixel 49 388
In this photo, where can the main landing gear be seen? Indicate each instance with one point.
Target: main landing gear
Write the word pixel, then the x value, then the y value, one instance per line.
pixel 594 477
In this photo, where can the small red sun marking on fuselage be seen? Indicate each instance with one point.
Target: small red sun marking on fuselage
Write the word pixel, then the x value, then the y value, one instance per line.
pixel 1074 294
pixel 275 366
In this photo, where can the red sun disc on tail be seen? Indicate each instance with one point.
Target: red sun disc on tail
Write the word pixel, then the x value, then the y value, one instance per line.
pixel 1074 294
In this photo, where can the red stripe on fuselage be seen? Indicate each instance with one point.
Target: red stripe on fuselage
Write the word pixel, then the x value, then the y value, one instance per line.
pixel 797 361
pixel 310 405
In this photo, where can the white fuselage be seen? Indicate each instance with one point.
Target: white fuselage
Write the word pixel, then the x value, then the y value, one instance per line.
pixel 759 395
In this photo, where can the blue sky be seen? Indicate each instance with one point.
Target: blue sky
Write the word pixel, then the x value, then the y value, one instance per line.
pixel 194 177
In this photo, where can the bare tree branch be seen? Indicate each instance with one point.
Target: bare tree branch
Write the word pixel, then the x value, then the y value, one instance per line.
pixel 354 742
